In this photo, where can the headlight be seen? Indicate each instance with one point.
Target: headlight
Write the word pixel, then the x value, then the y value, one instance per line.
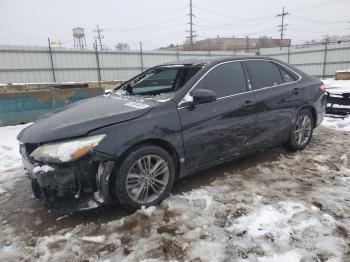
pixel 66 151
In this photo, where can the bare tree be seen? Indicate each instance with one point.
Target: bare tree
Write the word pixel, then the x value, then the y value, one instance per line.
pixel 122 47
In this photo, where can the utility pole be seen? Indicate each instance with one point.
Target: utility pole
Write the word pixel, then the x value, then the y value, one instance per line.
pixel 177 52
pixel 282 26
pixel 192 35
pixel 99 36
pixel 51 60
pixel 208 47
pixel 141 56
pixel 247 43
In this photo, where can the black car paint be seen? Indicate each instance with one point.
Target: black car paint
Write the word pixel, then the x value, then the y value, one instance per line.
pixel 197 136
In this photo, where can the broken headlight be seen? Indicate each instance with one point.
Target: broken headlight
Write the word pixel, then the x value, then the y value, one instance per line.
pixel 66 151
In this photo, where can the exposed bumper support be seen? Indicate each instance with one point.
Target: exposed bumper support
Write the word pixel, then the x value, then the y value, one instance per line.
pixel 72 187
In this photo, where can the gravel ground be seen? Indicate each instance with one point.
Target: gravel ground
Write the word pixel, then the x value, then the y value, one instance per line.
pixel 271 206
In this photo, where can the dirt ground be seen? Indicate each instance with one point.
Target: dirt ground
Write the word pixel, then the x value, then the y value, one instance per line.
pixel 271 205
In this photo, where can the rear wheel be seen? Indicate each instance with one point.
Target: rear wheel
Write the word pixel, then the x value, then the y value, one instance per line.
pixel 301 131
pixel 145 177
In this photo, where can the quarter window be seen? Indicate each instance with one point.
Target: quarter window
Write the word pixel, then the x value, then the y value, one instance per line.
pixel 287 77
pixel 263 74
pixel 225 79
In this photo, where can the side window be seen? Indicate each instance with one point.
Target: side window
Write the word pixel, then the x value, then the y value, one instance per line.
pixel 263 73
pixel 286 76
pixel 226 79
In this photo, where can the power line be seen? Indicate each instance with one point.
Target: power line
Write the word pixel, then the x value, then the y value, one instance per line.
pixel 191 31
pixel 153 19
pixel 232 17
pixel 316 5
pixel 99 36
pixel 146 26
pixel 311 20
pixel 282 26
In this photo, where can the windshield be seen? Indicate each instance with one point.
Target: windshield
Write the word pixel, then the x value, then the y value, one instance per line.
pixel 160 80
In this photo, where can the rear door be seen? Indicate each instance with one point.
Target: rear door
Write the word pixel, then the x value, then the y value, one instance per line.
pixel 278 96
pixel 222 128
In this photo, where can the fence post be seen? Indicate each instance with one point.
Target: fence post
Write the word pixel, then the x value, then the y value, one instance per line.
pixel 141 56
pixel 98 64
pixel 51 59
pixel 288 54
pixel 325 59
pixel 177 52
pixel 208 47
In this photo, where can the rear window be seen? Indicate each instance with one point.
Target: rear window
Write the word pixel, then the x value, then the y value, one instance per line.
pixel 263 74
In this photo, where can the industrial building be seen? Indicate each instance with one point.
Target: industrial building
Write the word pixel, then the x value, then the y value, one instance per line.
pixel 233 43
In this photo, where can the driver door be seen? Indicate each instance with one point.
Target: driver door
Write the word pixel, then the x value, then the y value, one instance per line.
pixel 222 128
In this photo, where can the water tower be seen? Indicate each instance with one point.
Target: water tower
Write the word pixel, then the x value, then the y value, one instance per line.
pixel 79 38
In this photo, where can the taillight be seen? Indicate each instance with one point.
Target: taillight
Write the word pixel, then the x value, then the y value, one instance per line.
pixel 323 88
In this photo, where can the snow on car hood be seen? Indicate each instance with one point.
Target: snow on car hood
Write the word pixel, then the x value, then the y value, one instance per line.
pixel 79 118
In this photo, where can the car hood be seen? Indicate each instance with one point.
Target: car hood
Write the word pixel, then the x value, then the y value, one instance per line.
pixel 79 118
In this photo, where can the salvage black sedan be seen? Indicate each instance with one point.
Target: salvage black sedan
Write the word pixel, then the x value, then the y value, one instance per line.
pixel 130 145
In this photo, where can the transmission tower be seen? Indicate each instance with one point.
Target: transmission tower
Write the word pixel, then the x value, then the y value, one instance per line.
pixel 191 31
pixel 99 36
pixel 282 26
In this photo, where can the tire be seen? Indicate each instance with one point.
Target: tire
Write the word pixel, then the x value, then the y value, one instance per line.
pixel 36 189
pixel 304 122
pixel 131 181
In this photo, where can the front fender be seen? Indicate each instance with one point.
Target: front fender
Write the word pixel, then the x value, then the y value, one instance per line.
pixel 162 123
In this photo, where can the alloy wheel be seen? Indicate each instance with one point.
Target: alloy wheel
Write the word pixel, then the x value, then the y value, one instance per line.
pixel 303 130
pixel 147 179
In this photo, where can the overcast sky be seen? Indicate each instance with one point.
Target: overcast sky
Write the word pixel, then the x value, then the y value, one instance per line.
pixel 162 22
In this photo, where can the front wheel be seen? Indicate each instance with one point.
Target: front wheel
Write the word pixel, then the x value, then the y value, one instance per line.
pixel 301 131
pixel 145 177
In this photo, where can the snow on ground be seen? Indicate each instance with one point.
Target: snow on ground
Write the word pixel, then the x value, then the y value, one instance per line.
pixel 293 207
pixel 337 86
pixel 9 156
pixel 342 124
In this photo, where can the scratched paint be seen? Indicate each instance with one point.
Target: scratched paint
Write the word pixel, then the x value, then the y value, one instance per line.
pixel 24 107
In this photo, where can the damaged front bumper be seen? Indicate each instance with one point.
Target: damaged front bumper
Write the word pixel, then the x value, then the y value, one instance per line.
pixel 71 187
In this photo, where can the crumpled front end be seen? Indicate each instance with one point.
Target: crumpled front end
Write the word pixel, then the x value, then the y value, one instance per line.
pixel 69 187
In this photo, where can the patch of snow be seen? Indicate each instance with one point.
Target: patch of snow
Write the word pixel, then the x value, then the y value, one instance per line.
pixel 137 105
pixel 337 86
pixel 338 123
pixel 11 161
pixel 289 256
pixel 43 169
pixel 94 239
pixel 163 100
pixel 9 147
pixel 148 211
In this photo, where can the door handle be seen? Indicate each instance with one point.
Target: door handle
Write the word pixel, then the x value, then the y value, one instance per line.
pixel 296 91
pixel 248 103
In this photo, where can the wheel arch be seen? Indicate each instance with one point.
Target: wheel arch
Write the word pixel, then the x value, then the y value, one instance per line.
pixel 153 142
pixel 312 109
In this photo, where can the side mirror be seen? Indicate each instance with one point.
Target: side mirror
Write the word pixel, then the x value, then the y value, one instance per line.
pixel 202 96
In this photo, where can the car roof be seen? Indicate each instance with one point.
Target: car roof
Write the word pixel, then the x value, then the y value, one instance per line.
pixel 214 60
